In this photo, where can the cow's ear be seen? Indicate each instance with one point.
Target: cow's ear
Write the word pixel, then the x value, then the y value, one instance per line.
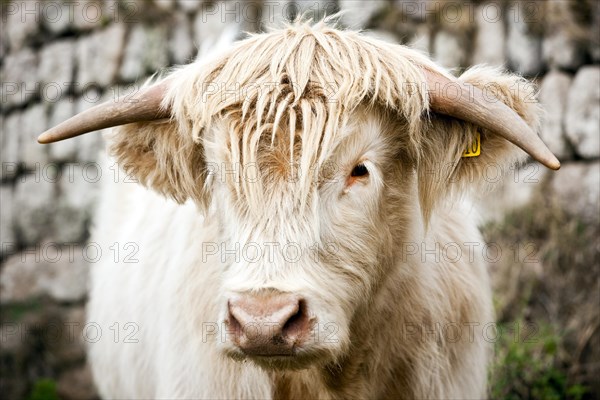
pixel 444 169
pixel 162 158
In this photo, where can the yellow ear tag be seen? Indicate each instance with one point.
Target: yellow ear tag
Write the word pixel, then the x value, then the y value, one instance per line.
pixel 474 149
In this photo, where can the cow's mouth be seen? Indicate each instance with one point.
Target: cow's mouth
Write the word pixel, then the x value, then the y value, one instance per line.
pixel 278 348
pixel 294 360
pixel 270 350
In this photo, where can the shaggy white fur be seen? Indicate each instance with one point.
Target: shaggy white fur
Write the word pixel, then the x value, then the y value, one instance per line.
pixel 257 163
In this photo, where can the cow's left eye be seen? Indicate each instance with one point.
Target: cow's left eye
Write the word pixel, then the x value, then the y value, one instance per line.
pixel 359 170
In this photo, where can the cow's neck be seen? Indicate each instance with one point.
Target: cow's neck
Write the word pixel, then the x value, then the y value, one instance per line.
pixel 318 383
pixel 346 378
pixel 292 385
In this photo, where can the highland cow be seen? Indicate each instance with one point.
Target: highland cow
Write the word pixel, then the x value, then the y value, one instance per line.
pixel 287 188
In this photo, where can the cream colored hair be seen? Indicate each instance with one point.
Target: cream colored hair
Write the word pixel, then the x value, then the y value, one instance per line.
pixel 259 93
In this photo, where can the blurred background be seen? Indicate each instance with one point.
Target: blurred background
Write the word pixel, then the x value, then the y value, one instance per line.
pixel 60 57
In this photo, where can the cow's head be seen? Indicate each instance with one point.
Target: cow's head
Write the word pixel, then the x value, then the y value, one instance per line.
pixel 316 151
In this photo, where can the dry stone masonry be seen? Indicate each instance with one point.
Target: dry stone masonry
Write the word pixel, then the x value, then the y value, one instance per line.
pixel 60 57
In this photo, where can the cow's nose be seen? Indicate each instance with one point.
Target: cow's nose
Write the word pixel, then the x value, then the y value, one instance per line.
pixel 268 325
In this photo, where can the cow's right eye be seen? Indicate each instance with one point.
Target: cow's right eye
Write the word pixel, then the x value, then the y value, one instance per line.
pixel 359 170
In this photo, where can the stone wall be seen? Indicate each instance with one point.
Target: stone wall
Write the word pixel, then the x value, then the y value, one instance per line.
pixel 61 57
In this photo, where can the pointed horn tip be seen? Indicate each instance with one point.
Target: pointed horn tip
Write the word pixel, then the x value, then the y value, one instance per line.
pixel 43 139
pixel 51 136
pixel 554 165
pixel 46 138
pixel 550 162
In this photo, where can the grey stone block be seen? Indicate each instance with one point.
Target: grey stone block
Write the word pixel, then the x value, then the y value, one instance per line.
pixel 553 97
pixel 90 14
pixel 563 45
pixel 357 14
pixel 211 28
pixel 420 40
pixel 58 16
pixel 48 269
pixel 562 50
pixel 7 236
pixel 181 47
pixel 524 48
pixel 489 46
pixel 9 148
pixel 78 187
pixel 22 20
pixel 189 5
pixel 98 63
pixel 57 61
pixel 583 112
pixel 575 189
pixel 516 189
pixel 165 4
pixel 34 205
pixel 3 41
pixel 20 82
pixel 449 50
pixel 33 123
pixel 146 51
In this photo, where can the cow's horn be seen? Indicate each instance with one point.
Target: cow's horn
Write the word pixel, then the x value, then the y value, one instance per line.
pixel 467 102
pixel 143 106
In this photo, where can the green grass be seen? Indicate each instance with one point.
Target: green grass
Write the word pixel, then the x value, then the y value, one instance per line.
pixel 556 294
pixel 44 389
pixel 528 367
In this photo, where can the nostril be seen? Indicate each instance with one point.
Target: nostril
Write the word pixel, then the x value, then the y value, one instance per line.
pixel 297 323
pixel 232 322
